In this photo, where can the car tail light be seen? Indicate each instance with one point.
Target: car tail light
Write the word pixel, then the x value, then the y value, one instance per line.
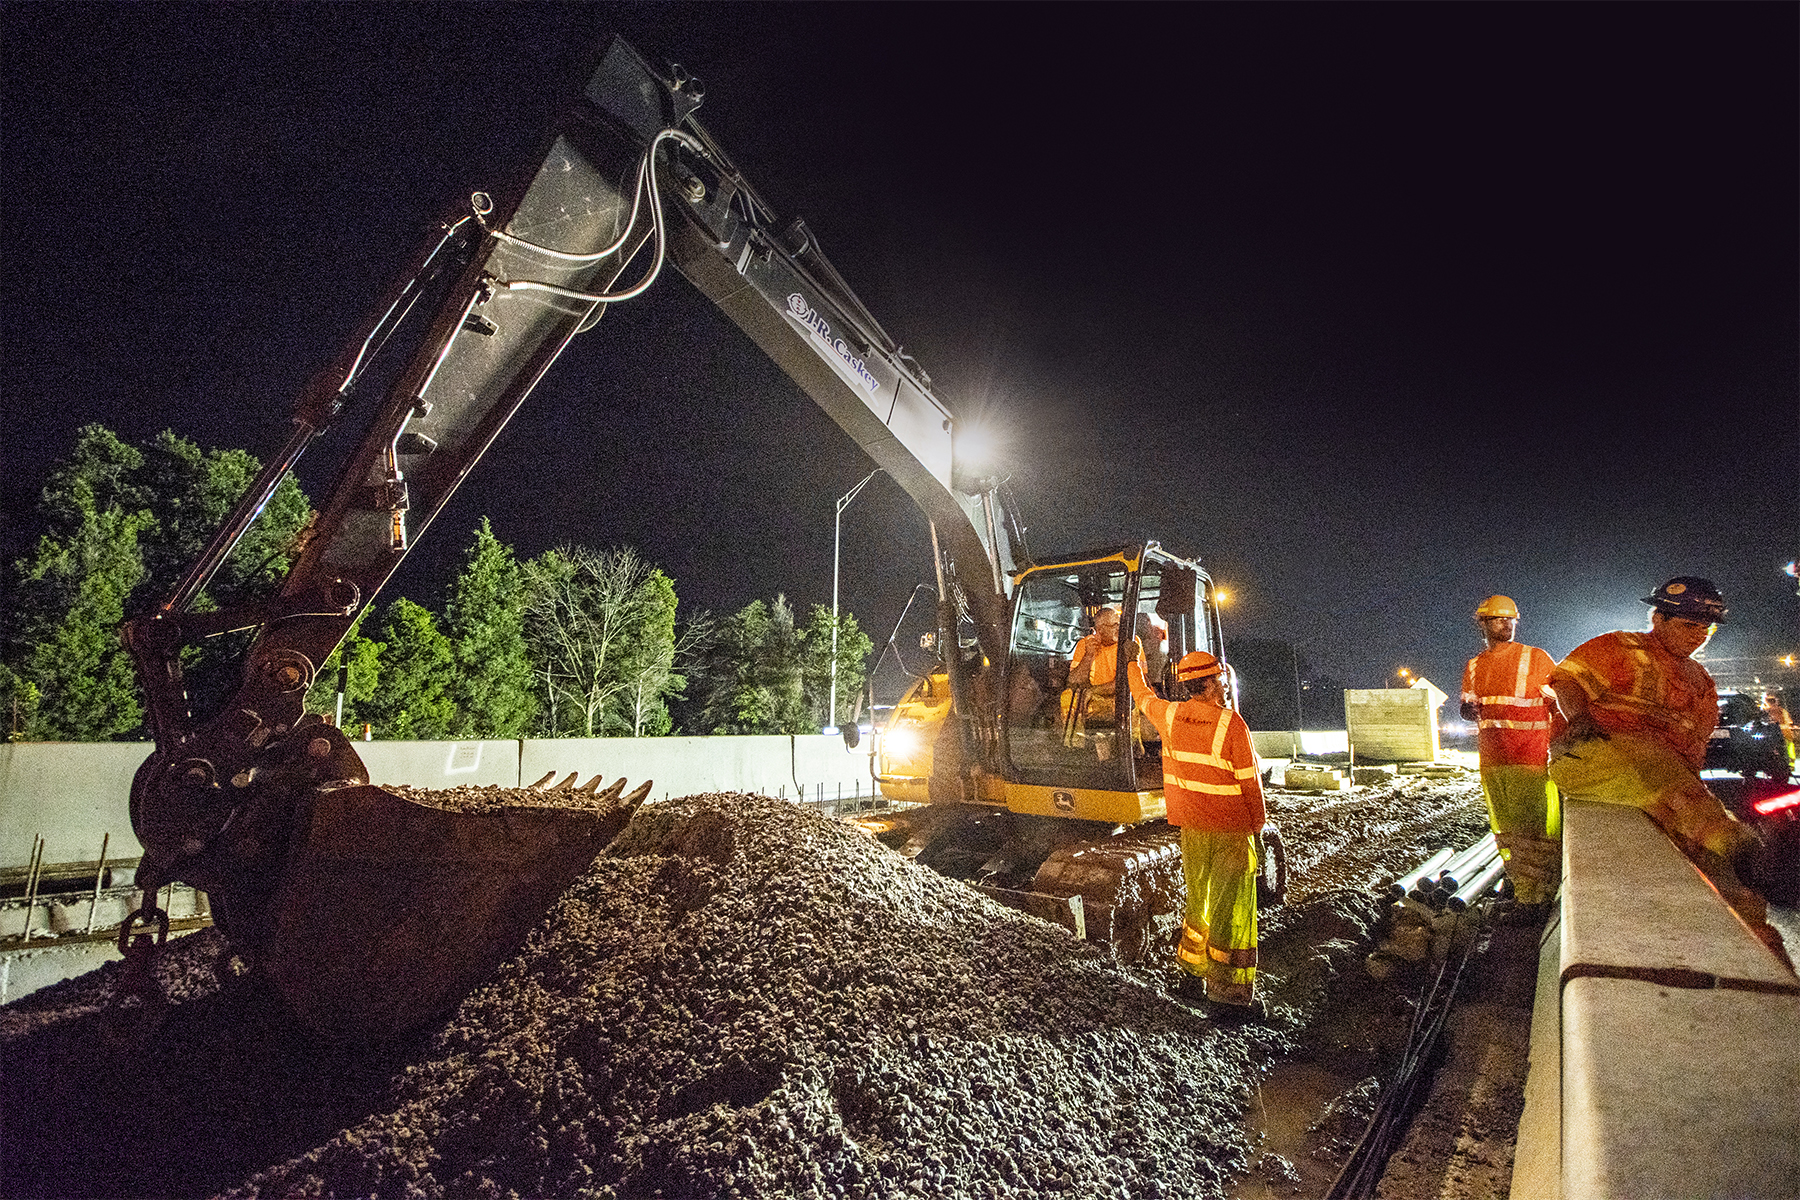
pixel 1770 805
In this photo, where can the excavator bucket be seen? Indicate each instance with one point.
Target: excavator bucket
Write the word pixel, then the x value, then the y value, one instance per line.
pixel 397 901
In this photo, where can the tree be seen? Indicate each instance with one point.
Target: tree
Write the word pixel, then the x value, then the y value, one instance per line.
pixel 753 674
pixel 600 625
pixel 417 673
pixel 121 525
pixel 71 674
pixel 853 646
pixel 494 692
pixel 363 656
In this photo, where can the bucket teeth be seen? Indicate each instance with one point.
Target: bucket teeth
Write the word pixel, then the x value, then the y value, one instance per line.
pixel 638 793
pixel 590 787
pixel 612 792
pixel 539 785
pixel 566 784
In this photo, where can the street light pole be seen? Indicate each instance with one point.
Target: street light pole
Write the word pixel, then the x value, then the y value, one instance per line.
pixel 837 529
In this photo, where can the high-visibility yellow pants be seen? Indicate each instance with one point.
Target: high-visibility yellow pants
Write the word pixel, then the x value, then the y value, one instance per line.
pixel 1524 813
pixel 1625 769
pixel 1218 932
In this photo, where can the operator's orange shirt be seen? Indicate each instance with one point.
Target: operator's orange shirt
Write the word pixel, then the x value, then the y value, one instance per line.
pixel 1510 683
pixel 1211 779
pixel 1102 661
pixel 1633 685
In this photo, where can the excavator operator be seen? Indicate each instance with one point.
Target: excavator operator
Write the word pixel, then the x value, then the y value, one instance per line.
pixel 1213 787
pixel 1093 682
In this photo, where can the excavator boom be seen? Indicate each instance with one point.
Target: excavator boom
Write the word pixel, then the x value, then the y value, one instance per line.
pixel 374 909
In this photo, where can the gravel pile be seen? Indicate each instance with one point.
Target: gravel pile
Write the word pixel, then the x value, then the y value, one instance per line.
pixel 741 998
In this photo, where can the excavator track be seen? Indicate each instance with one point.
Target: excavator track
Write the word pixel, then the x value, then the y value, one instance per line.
pixel 1124 890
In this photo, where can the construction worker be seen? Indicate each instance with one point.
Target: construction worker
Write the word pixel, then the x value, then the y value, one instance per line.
pixel 1640 712
pixel 1093 680
pixel 1212 785
pixel 1506 692
pixel 1776 714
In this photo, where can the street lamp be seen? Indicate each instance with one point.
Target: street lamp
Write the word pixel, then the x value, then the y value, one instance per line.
pixel 837 530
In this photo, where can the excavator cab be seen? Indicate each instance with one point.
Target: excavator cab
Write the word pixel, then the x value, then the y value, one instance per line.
pixel 1078 736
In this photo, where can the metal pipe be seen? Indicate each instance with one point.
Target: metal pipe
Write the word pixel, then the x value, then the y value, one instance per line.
pixel 1410 880
pixel 1469 869
pixel 99 878
pixel 1475 850
pixel 32 874
pixel 1479 886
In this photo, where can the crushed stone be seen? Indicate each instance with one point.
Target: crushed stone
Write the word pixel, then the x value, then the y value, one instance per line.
pixel 741 999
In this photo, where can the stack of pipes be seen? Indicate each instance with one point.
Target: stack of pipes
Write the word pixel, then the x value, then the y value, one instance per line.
pixel 1434 898
pixel 1452 880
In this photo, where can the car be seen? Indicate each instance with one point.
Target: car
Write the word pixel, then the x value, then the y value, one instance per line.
pixel 1746 743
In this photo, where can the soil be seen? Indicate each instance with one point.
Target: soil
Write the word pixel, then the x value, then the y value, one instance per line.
pixel 744 998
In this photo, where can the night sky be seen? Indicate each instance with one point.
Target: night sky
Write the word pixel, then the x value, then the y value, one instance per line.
pixel 1376 310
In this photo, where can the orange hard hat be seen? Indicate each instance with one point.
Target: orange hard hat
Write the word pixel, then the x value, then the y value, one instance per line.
pixel 1197 664
pixel 1497 606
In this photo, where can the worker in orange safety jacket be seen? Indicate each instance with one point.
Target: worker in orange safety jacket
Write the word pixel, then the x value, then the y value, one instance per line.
pixel 1640 712
pixel 1506 692
pixel 1213 789
pixel 1093 680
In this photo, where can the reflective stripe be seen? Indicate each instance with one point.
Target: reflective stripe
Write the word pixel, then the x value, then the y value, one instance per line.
pixel 1210 789
pixel 1524 672
pixel 1485 723
pixel 1210 760
pixel 1515 701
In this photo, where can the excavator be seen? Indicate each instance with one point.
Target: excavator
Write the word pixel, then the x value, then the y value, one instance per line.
pixel 372 910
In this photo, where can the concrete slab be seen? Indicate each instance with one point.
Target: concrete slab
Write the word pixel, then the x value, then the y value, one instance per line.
pixel 1679 1092
pixel 1633 906
pixel 1537 1152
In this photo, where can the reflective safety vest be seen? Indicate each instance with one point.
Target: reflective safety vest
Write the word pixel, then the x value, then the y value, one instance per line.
pixel 1510 683
pixel 1099 665
pixel 1211 779
pixel 1633 685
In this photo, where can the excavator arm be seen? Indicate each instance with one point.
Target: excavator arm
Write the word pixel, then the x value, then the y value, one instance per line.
pixel 351 896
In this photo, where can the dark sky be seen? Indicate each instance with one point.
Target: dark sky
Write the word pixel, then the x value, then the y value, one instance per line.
pixel 1375 309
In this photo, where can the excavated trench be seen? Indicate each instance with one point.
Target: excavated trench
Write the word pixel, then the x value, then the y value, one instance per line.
pixel 744 999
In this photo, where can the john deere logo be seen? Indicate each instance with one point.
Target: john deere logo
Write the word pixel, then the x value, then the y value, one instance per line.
pixel 1064 801
pixel 1675 589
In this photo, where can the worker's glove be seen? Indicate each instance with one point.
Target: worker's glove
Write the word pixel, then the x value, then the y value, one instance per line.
pixel 1582 729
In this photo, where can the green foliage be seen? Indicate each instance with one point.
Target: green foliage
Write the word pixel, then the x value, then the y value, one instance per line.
pixel 363 655
pixel 753 670
pixel 601 627
pixel 68 599
pixel 417 665
pixel 853 647
pixel 494 693
pixel 121 524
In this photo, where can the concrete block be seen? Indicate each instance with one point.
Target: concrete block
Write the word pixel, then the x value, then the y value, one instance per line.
pixel 1537 1148
pixel 493 762
pixel 73 793
pixel 1313 779
pixel 1634 906
pixel 1392 724
pixel 1679 1092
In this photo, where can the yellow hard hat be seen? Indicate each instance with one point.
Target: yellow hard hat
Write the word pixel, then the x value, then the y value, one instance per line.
pixel 1497 606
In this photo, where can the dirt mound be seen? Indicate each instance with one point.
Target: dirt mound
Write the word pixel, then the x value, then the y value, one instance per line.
pixel 740 999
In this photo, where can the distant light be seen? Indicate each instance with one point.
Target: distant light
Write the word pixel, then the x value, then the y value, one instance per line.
pixel 1221 596
pixel 1775 804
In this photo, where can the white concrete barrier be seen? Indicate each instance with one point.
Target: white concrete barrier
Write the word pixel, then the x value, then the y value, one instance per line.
pixel 443 764
pixel 1298 743
pixel 1664 1059
pixel 75 793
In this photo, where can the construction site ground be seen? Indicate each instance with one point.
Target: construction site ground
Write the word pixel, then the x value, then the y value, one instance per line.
pixel 744 998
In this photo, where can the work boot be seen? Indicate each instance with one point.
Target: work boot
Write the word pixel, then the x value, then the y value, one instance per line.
pixel 1240 1014
pixel 1190 989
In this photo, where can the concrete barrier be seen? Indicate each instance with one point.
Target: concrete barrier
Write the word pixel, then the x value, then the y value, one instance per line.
pixel 1298 743
pixel 75 793
pixel 72 794
pixel 1664 1057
